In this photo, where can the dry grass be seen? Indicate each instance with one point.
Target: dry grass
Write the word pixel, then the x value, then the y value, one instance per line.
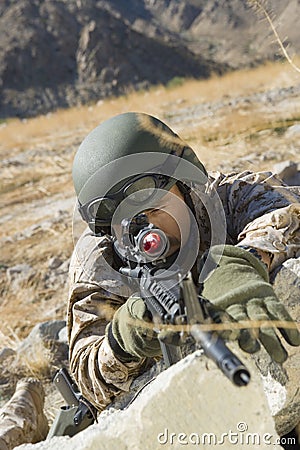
pixel 67 124
pixel 33 361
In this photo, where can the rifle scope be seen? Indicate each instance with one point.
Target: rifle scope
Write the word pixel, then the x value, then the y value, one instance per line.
pixel 144 239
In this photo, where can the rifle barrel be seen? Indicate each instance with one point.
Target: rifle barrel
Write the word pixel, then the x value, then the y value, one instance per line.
pixel 215 348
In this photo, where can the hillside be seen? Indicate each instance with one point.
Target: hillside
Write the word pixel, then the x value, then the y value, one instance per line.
pixel 66 53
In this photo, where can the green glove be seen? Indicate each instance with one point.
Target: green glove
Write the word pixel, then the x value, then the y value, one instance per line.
pixel 239 285
pixel 131 334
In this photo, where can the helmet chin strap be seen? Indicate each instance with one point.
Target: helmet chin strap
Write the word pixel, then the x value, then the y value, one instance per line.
pixel 99 230
pixel 185 191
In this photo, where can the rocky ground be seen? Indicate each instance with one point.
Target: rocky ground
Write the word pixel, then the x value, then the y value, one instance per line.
pixel 244 121
pixel 150 421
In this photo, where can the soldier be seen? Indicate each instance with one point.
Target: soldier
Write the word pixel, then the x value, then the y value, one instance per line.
pixel 248 222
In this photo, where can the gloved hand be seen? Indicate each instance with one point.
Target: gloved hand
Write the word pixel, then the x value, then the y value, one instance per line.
pixel 130 333
pixel 239 285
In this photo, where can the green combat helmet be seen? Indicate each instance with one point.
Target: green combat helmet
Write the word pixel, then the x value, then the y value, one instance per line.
pixel 127 147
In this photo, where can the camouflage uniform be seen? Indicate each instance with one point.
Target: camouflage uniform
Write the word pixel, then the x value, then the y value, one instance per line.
pixel 260 212
pixel 22 419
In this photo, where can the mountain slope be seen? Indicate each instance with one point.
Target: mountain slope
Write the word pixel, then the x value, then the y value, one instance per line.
pixel 69 52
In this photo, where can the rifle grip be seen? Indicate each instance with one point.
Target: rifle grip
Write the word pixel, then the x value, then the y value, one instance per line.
pixel 171 353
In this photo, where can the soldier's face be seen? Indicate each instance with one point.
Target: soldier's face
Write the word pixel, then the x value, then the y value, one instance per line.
pixel 172 216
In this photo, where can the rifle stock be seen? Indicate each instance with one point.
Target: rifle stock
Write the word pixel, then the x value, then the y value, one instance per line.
pixel 77 415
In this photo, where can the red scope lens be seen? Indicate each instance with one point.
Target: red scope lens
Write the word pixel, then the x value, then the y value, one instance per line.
pixel 153 244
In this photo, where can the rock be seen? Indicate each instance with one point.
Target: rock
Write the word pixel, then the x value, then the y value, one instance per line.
pixel 190 404
pixel 20 160
pixel 57 275
pixel 288 172
pixel 46 335
pixel 281 382
pixel 54 262
pixel 5 353
pixel 19 274
pixel 63 335
pixel 293 131
pixel 289 275
pixel 44 331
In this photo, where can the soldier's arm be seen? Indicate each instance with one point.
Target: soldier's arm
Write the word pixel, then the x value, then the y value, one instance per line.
pixel 263 214
pixel 98 372
pixel 95 294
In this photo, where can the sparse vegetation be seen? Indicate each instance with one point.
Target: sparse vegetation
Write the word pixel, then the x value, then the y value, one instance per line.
pixel 175 82
pixel 261 8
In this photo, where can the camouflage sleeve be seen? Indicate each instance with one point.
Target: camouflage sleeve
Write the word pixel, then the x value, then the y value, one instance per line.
pixel 262 213
pixel 276 233
pixel 94 296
